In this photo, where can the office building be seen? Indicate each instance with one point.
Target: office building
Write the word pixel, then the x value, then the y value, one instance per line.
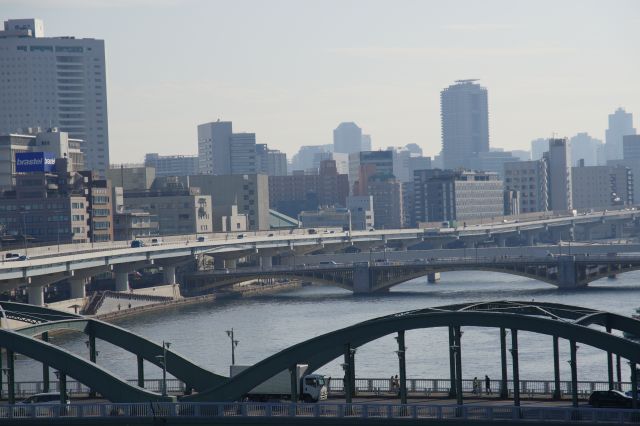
pixel 538 148
pixel 54 82
pixel 347 138
pixel 179 209
pixel 386 192
pixel 52 141
pixel 620 125
pixel 634 166
pixel 363 165
pixel 299 191
pixel 250 193
pixel 601 187
pixel 530 180
pixel 172 165
pixel 214 147
pixel 304 158
pixel 139 178
pixel 132 224
pixel 58 207
pixel 559 175
pixel 631 147
pixel 242 151
pixel 271 162
pixel 521 154
pixel 448 195
pixel 407 159
pixel 494 160
pixel 465 124
pixel 366 143
pixel 362 213
pixel 584 147
pixel 341 159
pixel 325 217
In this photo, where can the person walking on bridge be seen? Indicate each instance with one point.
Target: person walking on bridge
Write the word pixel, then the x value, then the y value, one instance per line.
pixel 487 385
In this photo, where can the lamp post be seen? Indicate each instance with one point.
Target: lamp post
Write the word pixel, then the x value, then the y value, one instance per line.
pixel 234 343
pixel 163 360
pixel 24 230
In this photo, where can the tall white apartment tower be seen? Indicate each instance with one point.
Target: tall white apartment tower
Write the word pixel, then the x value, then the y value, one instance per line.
pixel 465 124
pixel 54 82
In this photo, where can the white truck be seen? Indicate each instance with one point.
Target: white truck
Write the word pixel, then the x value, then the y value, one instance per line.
pixel 311 387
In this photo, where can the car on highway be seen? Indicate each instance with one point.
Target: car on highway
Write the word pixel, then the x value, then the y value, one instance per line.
pixel 11 256
pixel 201 239
pixel 23 257
pixel 611 398
pixel 137 244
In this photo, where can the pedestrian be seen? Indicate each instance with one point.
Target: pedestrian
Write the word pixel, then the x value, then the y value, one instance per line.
pixel 396 382
pixel 392 385
pixel 487 385
pixel 476 385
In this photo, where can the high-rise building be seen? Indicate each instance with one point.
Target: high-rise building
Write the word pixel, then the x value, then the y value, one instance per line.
pixel 631 147
pixel 214 147
pixel 559 164
pixel 341 159
pixel 530 180
pixel 271 162
pixel 494 160
pixel 366 143
pixel 54 82
pixel 242 152
pixel 584 147
pixel 406 159
pixel 347 138
pixel 387 201
pixel 620 124
pixel 538 148
pixel 304 158
pixel 521 154
pixel 365 164
pixel 172 165
pixel 465 124
pixel 138 178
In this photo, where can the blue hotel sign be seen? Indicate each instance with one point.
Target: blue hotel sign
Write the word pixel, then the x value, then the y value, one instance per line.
pixel 35 162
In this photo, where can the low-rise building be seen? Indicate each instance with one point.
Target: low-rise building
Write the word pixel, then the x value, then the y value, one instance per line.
pixel 601 187
pixel 329 217
pixel 362 213
pixel 132 177
pixel 133 224
pixel 179 209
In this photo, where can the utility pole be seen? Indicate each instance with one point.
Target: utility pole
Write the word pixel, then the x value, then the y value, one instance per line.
pixel 234 343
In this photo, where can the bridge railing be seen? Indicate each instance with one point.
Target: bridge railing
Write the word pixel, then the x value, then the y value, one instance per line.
pixel 374 386
pixel 430 386
pixel 324 410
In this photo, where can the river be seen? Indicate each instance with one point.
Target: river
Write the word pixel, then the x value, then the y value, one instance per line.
pixel 265 325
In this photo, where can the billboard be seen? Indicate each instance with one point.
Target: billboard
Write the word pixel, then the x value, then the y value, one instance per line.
pixel 35 162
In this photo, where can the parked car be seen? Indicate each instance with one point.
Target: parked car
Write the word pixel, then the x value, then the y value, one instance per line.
pixel 610 398
pixel 137 244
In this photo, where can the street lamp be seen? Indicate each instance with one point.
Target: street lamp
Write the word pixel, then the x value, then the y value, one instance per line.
pixel 24 230
pixel 234 343
pixel 163 360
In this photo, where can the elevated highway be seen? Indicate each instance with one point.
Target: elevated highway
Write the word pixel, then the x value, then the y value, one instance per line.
pixel 77 263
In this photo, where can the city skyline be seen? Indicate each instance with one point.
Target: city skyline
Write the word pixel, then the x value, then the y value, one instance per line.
pixel 159 91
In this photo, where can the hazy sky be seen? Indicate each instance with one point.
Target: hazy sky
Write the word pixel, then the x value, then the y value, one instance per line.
pixel 290 71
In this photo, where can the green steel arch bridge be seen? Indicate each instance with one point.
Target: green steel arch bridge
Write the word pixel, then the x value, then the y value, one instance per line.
pixel 585 326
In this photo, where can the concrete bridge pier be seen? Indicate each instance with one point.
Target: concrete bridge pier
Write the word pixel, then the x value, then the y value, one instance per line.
pixel 77 287
pixel 501 240
pixel 361 279
pixel 122 281
pixel 266 261
pixel 568 273
pixel 35 293
pixel 169 274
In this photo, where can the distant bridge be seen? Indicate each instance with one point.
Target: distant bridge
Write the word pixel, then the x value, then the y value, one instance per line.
pixel 564 271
